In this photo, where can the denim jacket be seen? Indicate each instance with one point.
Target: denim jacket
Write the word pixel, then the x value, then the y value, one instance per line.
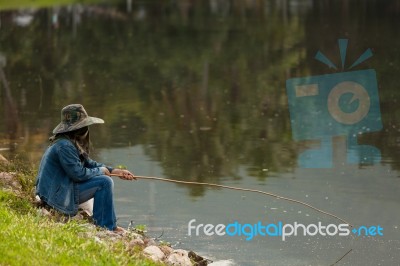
pixel 59 171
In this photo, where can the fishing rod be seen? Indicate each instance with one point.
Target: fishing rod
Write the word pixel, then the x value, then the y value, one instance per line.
pixel 240 189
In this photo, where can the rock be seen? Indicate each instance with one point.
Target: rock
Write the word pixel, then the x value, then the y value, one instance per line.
pixel 44 212
pixel 150 242
pixel 9 180
pixel 135 235
pixel 136 242
pixel 166 250
pixel 179 257
pixel 110 235
pixel 154 253
pixel 198 260
pixel 6 176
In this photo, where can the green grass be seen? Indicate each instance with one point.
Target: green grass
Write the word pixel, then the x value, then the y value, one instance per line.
pixel 28 238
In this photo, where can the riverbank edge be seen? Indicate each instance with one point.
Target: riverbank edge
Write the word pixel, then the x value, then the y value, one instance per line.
pixel 27 226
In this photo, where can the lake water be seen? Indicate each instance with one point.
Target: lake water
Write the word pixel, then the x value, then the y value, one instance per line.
pixel 196 91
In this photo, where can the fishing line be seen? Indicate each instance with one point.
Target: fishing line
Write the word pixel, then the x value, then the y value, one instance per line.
pixel 342 257
pixel 241 189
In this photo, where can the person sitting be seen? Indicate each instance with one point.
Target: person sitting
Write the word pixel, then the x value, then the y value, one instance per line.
pixel 67 176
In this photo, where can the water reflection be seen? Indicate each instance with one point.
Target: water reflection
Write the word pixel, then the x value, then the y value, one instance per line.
pixel 172 87
pixel 199 86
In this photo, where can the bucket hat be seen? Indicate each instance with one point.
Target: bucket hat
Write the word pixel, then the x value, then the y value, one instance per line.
pixel 73 117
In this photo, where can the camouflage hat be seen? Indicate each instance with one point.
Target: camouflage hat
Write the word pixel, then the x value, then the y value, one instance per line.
pixel 74 117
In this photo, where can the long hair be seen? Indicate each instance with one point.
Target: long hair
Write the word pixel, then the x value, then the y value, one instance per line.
pixel 79 137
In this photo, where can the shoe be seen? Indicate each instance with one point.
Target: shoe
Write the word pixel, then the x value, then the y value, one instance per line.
pixel 119 230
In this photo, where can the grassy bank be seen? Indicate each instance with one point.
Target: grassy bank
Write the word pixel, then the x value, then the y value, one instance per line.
pixel 29 238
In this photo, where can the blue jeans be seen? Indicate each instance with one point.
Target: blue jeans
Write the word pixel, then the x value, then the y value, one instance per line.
pixel 101 189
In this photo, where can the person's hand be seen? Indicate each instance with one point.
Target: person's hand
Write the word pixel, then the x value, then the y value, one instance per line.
pixel 124 174
pixel 105 170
